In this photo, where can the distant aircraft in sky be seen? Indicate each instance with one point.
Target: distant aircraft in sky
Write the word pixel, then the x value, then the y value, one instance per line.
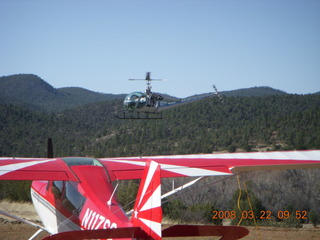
pixel 149 105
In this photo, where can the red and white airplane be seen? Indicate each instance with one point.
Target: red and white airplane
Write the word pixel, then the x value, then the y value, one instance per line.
pixel 75 197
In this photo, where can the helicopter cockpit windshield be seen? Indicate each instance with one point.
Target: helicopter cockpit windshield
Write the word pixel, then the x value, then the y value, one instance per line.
pixel 134 101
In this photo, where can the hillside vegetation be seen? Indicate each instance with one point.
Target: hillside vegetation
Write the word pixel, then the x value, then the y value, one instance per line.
pixel 281 122
pixel 30 91
pixel 247 123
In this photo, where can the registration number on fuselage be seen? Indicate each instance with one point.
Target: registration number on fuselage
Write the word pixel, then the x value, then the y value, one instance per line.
pixel 92 220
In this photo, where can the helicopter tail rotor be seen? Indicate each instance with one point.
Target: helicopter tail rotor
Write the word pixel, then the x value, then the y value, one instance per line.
pixel 217 93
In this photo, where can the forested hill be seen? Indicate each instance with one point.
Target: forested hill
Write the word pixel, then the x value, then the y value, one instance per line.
pixel 239 123
pixel 31 91
pixel 274 122
pixel 254 91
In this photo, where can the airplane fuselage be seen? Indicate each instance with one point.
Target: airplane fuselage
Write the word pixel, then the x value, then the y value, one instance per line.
pixel 78 192
pixel 69 205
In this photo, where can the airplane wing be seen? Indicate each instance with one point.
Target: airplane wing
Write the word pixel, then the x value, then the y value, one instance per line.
pixel 35 169
pixel 171 166
pixel 211 164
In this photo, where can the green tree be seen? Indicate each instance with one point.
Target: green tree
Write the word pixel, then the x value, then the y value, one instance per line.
pixel 247 207
pixel 174 209
pixel 127 193
pixel 314 217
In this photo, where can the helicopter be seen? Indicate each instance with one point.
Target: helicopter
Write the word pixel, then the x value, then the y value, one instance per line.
pixel 150 105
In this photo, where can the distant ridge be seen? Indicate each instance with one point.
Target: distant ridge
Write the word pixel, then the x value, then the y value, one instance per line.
pixel 247 92
pixel 29 90
pixel 254 91
pixel 90 96
pixel 20 83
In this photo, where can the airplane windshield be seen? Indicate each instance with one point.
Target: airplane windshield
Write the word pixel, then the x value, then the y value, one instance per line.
pixel 74 200
pixel 81 161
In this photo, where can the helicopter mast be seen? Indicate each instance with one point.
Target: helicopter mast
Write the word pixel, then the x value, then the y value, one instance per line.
pixel 148 79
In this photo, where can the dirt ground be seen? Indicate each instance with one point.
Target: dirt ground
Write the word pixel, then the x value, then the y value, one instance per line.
pixel 21 231
pixel 13 230
pixel 18 231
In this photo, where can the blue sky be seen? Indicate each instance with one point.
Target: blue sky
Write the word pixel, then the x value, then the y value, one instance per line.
pixel 192 44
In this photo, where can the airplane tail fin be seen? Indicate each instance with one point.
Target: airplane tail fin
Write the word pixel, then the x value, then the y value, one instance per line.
pixel 147 212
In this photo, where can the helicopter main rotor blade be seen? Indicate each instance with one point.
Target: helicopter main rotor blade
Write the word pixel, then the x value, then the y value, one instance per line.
pixel 146 79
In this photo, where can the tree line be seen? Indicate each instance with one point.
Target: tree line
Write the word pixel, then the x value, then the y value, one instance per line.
pixel 280 122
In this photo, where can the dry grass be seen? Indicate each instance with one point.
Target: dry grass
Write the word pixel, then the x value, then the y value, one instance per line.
pixel 23 210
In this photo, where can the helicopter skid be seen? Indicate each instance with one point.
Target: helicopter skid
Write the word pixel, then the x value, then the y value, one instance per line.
pixel 139 115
